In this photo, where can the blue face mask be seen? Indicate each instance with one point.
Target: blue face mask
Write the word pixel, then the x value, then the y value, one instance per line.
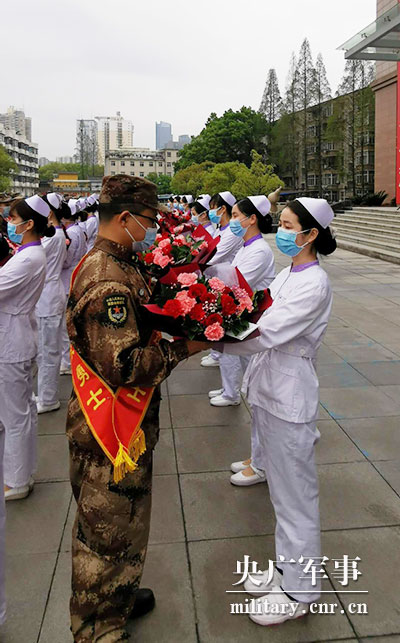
pixel 12 232
pixel 286 242
pixel 149 238
pixel 195 219
pixel 214 217
pixel 181 208
pixel 236 227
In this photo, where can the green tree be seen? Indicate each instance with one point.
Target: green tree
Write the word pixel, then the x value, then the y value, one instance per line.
pixel 323 93
pixel 306 96
pixel 162 181
pixel 47 172
pixel 7 164
pixel 221 177
pixel 190 179
pixel 230 137
pixel 258 179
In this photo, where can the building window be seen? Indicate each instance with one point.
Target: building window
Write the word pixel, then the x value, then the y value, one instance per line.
pixel 160 164
pixel 168 164
pixel 112 172
pixel 113 163
pixel 141 174
pixel 132 163
pixel 141 164
pixel 122 163
pixel 151 164
pixel 132 173
pixel 168 153
pixel 311 180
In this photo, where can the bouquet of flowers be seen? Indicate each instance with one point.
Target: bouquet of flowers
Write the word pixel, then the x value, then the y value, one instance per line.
pixel 170 250
pixel 173 220
pixel 189 304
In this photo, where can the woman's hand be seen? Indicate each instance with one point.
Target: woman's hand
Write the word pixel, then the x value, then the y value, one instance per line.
pixel 196 347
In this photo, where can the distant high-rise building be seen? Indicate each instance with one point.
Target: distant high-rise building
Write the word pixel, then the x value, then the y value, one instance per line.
pixel 15 119
pixel 64 159
pixel 114 133
pixel 43 161
pixel 184 139
pixel 163 134
pixel 25 179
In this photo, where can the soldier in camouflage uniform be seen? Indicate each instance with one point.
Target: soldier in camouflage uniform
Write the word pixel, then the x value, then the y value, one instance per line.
pixel 111 528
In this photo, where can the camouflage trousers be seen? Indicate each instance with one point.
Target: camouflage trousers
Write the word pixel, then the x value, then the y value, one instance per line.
pixel 109 543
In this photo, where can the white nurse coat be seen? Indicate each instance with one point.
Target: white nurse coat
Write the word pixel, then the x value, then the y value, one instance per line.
pixel 227 247
pixel 75 252
pixel 52 299
pixel 256 263
pixel 281 376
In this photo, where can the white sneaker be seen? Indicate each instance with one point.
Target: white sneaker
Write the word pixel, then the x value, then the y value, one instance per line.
pixel 17 493
pixel 220 400
pixel 264 587
pixel 276 608
pixel 209 361
pixel 31 484
pixel 65 370
pixel 42 408
pixel 241 480
pixel 238 466
pixel 215 393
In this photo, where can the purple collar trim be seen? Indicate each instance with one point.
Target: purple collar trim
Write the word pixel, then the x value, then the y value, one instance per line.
pixel 58 227
pixel 26 245
pixel 304 266
pixel 252 240
pixel 224 227
pixel 207 225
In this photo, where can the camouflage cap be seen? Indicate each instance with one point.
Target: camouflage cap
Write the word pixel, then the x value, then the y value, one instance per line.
pixel 122 189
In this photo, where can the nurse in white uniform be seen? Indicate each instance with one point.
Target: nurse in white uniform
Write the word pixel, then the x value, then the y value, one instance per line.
pixel 282 389
pixel 187 201
pixel 76 250
pixel 220 214
pixel 199 211
pixel 92 222
pixel 21 284
pixel 255 260
pixel 50 312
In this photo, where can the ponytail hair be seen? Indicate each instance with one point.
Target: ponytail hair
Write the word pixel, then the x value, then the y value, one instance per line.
pixel 325 243
pixel 40 223
pixel 248 208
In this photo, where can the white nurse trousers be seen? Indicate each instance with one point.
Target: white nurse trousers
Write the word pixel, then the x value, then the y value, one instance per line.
pixel 18 419
pixel 232 369
pixel 2 534
pixel 49 358
pixel 285 451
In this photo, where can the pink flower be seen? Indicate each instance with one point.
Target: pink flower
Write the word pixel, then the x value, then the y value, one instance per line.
pixel 178 229
pixel 160 259
pixel 245 303
pixel 187 278
pixel 203 246
pixel 165 243
pixel 215 332
pixel 185 301
pixel 217 284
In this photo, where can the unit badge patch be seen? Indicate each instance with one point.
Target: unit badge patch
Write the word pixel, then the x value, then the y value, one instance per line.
pixel 116 309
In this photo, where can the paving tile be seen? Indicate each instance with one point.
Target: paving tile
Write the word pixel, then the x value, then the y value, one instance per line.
pixel 28 580
pixel 378 549
pixel 380 373
pixel 54 422
pixel 367 353
pixel 56 622
pixel 164 454
pixel 358 402
pixel 381 639
pixel 69 523
pixel 377 438
pixel 193 363
pixel 339 376
pixel 173 620
pixel 345 336
pixel 214 508
pixel 35 525
pixel 323 413
pixel 390 470
pixel 165 419
pixel 355 495
pixel 326 355
pixel 211 448
pixel 196 410
pixel 334 445
pixel 65 387
pixel 53 458
pixel 194 382
pixel 166 511
pixel 213 566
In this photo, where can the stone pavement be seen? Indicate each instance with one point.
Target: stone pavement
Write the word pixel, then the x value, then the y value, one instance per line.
pixel 201 525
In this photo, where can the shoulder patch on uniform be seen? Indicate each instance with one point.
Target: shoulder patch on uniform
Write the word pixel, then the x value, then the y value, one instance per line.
pixel 116 309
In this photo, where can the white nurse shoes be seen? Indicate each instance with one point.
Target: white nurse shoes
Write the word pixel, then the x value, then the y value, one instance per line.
pixel 42 408
pixel 276 608
pixel 208 361
pixel 241 480
pixel 240 466
pixel 65 370
pixel 17 493
pixel 220 400
pixel 264 586
pixel 215 393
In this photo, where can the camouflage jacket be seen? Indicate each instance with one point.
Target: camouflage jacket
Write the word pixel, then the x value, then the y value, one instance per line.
pixel 105 327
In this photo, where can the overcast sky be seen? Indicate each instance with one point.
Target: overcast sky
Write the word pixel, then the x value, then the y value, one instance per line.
pixel 171 60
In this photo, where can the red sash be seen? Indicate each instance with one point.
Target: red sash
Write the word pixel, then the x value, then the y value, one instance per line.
pixel 113 418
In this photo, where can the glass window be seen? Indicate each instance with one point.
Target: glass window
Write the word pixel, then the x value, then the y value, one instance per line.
pixel 122 163
pixel 141 174
pixel 141 164
pixel 112 162
pixel 168 153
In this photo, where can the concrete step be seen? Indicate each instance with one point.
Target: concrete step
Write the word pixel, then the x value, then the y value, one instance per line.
pixel 369 251
pixel 363 219
pixel 376 210
pixel 366 241
pixel 387 232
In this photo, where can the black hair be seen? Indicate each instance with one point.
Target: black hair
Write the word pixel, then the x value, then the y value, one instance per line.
pixel 107 211
pixel 184 199
pixel 171 198
pixel 177 198
pixel 248 208
pixel 83 215
pixel 217 201
pixel 40 223
pixel 324 244
pixel 66 212
pixel 91 208
pixel 200 209
pixel 4 247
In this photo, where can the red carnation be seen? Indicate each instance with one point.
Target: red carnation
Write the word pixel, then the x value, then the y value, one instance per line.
pixel 173 308
pixel 197 290
pixel 149 258
pixel 210 298
pixel 228 305
pixel 197 313
pixel 215 318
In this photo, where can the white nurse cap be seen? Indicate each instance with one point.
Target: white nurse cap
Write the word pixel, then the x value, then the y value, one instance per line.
pixel 261 203
pixel 72 206
pixel 189 198
pixel 38 205
pixel 319 209
pixel 81 203
pixel 228 197
pixel 54 200
pixel 205 201
pixel 91 199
